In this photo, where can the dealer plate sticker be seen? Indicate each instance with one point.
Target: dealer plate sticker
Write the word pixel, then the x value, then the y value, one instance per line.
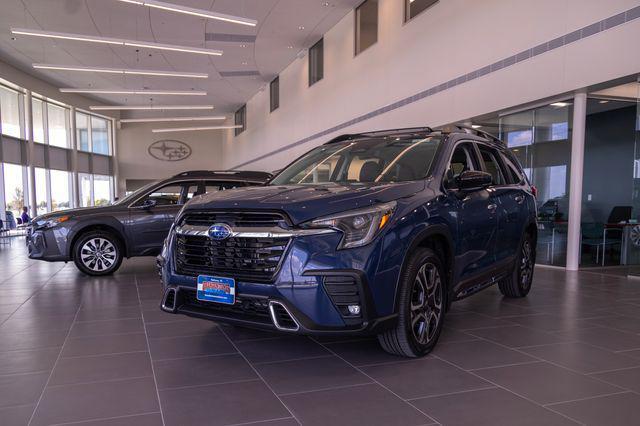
pixel 216 289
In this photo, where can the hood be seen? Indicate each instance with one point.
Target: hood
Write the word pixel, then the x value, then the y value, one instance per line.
pixel 305 202
pixel 81 211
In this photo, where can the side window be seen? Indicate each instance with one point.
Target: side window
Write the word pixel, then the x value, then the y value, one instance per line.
pixel 492 164
pixel 517 176
pixel 192 191
pixel 462 160
pixel 164 196
pixel 213 186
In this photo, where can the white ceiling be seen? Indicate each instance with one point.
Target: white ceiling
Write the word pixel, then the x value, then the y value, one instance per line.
pixel 277 29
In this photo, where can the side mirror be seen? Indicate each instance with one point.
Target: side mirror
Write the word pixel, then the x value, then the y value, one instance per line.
pixel 472 180
pixel 148 204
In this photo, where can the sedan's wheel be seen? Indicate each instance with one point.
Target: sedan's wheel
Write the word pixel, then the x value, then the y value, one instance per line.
pixel 97 253
pixel 421 307
pixel 518 283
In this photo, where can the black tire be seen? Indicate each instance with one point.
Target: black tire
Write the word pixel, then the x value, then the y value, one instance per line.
pixel 103 259
pixel 518 283
pixel 404 339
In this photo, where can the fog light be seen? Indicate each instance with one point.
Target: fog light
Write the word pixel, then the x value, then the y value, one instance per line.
pixel 354 309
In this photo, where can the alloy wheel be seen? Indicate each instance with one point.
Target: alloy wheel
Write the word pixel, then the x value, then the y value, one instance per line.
pixel 98 254
pixel 526 265
pixel 426 303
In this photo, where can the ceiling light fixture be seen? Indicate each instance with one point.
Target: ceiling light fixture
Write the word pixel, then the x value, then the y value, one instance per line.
pixel 157 73
pixel 560 104
pixel 190 129
pixel 475 126
pixel 169 119
pixel 195 12
pixel 135 92
pixel 116 41
pixel 146 107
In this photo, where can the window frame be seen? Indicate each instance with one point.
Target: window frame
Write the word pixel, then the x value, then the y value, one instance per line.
pixel 240 118
pixel 316 66
pixel 471 149
pixel 497 156
pixel 357 27
pixel 274 94
pixel 407 10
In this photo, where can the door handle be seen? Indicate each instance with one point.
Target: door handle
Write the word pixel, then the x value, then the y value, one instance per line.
pixel 492 207
pixel 519 199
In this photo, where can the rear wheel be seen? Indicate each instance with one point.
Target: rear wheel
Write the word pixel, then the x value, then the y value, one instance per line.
pixel 97 253
pixel 518 283
pixel 421 307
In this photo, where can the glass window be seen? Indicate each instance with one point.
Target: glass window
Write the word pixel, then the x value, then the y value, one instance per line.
pixel 492 164
pixel 366 25
pixel 462 160
pixel 193 191
pixel 60 190
pixel 13 189
pixel 10 112
pixel 57 120
pixel 274 94
pixel 240 119
pixel 82 131
pixel 316 62
pixel 165 196
pixel 367 160
pixel 41 190
pixel 85 190
pixel 413 8
pixel 99 136
pixel 38 120
pixel 101 190
pixel 220 186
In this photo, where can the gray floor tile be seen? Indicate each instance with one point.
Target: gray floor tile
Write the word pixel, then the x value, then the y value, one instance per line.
pixel 280 349
pixel 135 420
pixel 489 407
pixel 235 403
pixel 545 383
pixel 549 323
pixel 517 336
pixel 28 361
pixel 117 312
pixel 21 389
pixel 363 352
pixel 17 415
pixel 202 371
pixel 32 340
pixel 613 410
pixel 99 368
pixel 103 345
pixel 72 403
pixel 183 347
pixel 310 374
pixel 188 327
pixel 369 405
pixel 582 357
pixel 479 354
pixel 472 320
pixel 604 337
pixel 236 334
pixel 106 327
pixel 424 377
pixel 627 378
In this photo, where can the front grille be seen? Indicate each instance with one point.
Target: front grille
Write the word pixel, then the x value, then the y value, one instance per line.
pixel 254 259
pixel 246 308
pixel 235 219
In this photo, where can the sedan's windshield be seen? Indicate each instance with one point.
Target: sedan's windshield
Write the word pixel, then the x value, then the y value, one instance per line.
pixel 129 198
pixel 367 160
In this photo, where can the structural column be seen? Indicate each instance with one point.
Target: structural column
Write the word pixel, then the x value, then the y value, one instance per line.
pixel 31 153
pixel 575 184
pixel 75 186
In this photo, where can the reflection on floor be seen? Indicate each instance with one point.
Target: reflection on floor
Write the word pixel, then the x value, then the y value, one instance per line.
pixel 89 351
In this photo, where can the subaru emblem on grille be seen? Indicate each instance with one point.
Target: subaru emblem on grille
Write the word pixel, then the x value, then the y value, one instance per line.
pixel 220 231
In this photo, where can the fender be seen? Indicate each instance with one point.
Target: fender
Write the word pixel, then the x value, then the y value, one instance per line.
pixel 102 221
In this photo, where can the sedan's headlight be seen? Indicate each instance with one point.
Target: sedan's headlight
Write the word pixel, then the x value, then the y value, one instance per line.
pixel 51 222
pixel 358 226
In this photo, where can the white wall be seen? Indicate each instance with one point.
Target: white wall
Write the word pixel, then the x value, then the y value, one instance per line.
pixel 134 161
pixel 450 39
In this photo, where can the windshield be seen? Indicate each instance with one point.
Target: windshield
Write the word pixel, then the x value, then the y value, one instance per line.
pixel 367 160
pixel 129 198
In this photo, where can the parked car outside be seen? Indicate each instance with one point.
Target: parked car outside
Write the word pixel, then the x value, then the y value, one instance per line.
pixel 369 233
pixel 98 238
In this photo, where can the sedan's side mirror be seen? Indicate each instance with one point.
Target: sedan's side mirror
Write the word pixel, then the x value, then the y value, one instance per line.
pixel 148 204
pixel 472 180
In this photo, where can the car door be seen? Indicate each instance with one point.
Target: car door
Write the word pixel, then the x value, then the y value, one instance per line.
pixel 149 224
pixel 508 198
pixel 476 219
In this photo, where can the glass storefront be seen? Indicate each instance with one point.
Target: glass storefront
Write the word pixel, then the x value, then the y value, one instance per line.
pixel 14 189
pixel 41 191
pixel 60 190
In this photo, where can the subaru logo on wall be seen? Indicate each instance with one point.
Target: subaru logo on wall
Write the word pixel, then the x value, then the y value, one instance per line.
pixel 169 150
pixel 220 231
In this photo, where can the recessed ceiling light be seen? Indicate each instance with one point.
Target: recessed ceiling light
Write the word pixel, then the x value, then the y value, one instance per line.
pixel 157 73
pixel 301 27
pixel 116 41
pixel 191 129
pixel 475 126
pixel 146 107
pixel 167 119
pixel 289 47
pixel 244 62
pixel 135 92
pixel 560 104
pixel 325 4
pixel 195 12
pixel 243 45
pixel 604 102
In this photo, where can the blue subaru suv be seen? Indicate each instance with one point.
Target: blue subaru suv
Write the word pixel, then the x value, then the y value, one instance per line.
pixel 372 233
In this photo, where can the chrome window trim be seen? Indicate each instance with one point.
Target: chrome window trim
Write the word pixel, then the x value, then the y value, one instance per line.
pixel 271 232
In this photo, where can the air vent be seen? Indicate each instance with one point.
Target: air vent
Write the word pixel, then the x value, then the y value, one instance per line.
pixel 281 317
pixel 169 300
pixel 344 292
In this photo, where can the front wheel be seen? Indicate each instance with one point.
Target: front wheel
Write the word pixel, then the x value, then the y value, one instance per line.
pixel 518 283
pixel 421 307
pixel 97 253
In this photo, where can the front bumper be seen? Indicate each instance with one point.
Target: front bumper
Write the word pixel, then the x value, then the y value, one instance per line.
pixel 47 244
pixel 309 294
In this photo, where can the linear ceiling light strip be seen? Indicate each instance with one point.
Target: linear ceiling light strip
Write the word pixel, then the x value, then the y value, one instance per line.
pixel 191 129
pixel 135 92
pixel 147 107
pixel 125 71
pixel 194 12
pixel 115 41
pixel 170 119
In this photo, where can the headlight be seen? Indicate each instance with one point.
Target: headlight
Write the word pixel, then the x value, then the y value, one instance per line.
pixel 358 226
pixel 51 222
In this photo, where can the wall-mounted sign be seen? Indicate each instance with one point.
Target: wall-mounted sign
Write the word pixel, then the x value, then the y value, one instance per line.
pixel 170 150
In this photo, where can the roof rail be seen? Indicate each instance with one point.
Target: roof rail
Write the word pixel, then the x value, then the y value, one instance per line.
pixel 476 132
pixel 388 132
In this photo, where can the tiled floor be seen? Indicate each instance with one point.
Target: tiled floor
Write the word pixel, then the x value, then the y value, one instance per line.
pixel 97 351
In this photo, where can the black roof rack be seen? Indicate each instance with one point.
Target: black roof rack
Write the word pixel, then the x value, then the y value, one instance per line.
pixel 389 132
pixel 472 131
pixel 242 174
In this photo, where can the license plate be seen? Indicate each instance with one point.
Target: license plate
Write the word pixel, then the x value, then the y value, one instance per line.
pixel 216 289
